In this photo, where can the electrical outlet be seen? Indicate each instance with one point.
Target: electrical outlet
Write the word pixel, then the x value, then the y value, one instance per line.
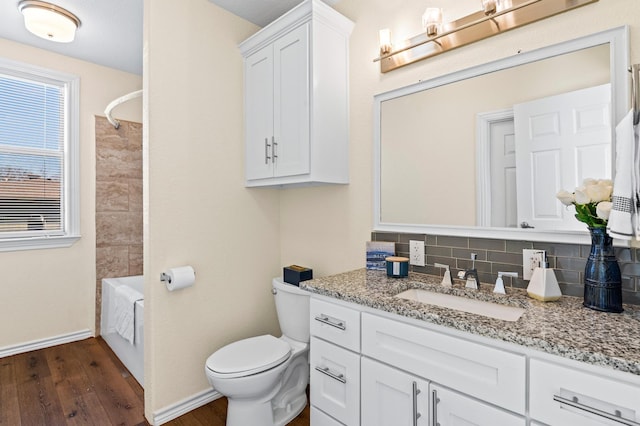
pixel 416 253
pixel 531 259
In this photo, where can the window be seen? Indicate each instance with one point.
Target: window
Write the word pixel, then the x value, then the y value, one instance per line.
pixel 38 157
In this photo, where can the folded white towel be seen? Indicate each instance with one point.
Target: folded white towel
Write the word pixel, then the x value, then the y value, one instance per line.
pixel 125 304
pixel 624 195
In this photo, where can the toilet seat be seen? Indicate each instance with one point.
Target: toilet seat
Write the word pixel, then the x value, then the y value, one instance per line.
pixel 249 356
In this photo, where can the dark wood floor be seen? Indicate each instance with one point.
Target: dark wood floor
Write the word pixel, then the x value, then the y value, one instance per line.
pixel 84 383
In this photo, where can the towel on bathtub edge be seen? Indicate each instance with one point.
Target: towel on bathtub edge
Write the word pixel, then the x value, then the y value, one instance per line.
pixel 125 308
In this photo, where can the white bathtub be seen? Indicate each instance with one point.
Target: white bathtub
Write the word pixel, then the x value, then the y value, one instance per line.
pixel 132 356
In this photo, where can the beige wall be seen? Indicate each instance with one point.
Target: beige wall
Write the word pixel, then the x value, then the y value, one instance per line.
pixel 48 293
pixel 197 210
pixel 326 227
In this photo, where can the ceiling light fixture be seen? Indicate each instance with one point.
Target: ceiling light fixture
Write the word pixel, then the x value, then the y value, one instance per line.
pixel 49 21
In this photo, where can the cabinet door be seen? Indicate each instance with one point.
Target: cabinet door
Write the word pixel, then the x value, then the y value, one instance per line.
pixel 291 103
pixel 453 409
pixel 392 397
pixel 335 381
pixel 258 106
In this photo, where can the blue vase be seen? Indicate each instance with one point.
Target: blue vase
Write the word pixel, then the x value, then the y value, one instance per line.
pixel 602 281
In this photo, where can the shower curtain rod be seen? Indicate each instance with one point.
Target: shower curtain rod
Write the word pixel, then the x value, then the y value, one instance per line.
pixel 115 123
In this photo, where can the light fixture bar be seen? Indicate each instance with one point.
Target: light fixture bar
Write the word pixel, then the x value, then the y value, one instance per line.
pixel 475 27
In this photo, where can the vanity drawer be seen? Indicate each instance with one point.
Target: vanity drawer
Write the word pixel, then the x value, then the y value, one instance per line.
pixel 336 324
pixel 555 388
pixel 335 381
pixel 492 375
pixel 318 418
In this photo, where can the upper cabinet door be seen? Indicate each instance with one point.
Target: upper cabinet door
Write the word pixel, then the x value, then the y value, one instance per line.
pixel 291 103
pixel 258 106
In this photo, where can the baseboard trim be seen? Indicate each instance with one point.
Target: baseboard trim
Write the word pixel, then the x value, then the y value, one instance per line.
pixel 182 407
pixel 45 343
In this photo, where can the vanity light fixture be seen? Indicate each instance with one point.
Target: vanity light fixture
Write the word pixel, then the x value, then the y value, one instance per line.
pixel 495 17
pixel 49 21
pixel 432 21
pixel 385 41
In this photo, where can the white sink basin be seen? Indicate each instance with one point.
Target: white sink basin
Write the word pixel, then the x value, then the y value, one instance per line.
pixel 473 306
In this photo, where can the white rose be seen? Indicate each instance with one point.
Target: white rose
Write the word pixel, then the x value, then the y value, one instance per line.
pixel 589 181
pixel 603 209
pixel 565 197
pixel 582 196
pixel 597 193
pixel 605 182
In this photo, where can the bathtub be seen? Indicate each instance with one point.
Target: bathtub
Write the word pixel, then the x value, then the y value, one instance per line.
pixel 132 356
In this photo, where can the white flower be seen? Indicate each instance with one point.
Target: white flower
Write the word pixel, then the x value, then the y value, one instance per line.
pixel 589 181
pixel 603 209
pixel 565 197
pixel 597 193
pixel 582 197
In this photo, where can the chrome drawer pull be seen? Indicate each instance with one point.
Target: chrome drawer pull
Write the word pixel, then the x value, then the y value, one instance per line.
pixel 266 151
pixel 416 415
pixel 326 371
pixel 325 320
pixel 575 404
pixel 434 404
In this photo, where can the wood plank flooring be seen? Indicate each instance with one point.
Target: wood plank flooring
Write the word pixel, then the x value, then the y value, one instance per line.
pixel 84 383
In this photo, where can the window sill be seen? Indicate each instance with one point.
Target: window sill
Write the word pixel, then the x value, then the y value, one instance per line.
pixel 37 243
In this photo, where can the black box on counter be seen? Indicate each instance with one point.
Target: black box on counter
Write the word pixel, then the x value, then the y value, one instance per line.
pixel 293 274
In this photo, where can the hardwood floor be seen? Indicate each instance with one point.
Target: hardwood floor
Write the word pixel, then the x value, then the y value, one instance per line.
pixel 84 383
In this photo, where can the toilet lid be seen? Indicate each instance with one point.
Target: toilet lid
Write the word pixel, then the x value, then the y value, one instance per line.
pixel 249 356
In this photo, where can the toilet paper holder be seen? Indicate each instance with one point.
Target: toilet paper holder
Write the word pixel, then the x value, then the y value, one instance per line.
pixel 165 277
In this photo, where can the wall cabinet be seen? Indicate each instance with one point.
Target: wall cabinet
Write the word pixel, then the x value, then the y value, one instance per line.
pixel 296 98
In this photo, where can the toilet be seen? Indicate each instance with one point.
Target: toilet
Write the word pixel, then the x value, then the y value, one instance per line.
pixel 265 378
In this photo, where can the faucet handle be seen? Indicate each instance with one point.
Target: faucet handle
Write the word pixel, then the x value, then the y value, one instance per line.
pixel 446 279
pixel 499 288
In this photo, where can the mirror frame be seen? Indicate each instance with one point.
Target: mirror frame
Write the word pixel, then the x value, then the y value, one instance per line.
pixel 617 38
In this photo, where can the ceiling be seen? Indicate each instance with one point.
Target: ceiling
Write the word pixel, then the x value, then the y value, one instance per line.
pixel 110 33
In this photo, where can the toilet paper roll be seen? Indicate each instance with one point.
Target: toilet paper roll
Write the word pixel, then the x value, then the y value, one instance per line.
pixel 180 277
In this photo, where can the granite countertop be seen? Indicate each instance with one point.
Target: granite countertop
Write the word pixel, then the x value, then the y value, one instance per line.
pixel 563 327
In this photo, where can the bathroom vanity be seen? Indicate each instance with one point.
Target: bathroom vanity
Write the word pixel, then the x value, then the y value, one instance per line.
pixel 377 359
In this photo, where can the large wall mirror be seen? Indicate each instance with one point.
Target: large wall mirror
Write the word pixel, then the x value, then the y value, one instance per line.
pixel 483 151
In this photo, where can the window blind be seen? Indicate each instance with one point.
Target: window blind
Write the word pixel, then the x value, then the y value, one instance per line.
pixel 32 143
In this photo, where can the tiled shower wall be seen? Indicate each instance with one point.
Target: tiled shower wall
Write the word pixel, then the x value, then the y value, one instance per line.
pixel 495 256
pixel 118 203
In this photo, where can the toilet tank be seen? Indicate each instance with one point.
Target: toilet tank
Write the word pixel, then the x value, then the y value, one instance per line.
pixel 292 305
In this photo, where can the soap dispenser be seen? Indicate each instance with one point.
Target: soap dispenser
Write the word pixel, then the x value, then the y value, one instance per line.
pixel 544 285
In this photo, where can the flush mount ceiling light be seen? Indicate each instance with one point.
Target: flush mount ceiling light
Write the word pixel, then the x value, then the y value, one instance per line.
pixel 49 21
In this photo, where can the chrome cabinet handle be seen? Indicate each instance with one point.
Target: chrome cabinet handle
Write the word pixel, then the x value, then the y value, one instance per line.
pixel 416 415
pixel 575 404
pixel 274 153
pixel 266 151
pixel 327 372
pixel 434 404
pixel 325 320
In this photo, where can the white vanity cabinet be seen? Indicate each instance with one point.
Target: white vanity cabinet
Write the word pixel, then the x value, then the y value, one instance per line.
pixel 296 98
pixel 335 363
pixel 403 372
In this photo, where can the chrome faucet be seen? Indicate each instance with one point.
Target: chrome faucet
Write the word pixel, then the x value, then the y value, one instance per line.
pixel 471 275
